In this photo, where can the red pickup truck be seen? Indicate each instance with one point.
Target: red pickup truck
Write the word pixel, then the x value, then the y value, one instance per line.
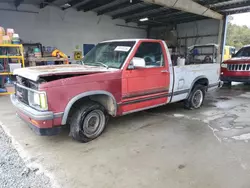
pixel 115 78
pixel 237 69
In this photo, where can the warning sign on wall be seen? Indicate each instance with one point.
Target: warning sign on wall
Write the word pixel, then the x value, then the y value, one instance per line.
pixel 77 55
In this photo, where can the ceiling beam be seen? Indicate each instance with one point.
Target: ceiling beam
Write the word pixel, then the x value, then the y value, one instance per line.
pixel 176 18
pixel 233 5
pixel 211 2
pixel 46 3
pixel 173 22
pixel 152 15
pixel 236 10
pixel 173 14
pixel 93 4
pixel 118 7
pixel 171 19
pixel 143 9
pixel 18 3
pixel 188 6
pixel 170 15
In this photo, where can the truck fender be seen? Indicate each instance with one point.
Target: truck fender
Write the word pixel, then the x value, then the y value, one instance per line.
pixel 194 81
pixel 87 94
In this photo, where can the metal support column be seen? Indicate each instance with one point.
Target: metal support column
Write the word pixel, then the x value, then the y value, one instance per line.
pixel 220 41
pixel 223 42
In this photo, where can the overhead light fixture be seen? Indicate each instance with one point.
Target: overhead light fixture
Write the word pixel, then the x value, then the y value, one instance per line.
pixel 143 19
pixel 66 5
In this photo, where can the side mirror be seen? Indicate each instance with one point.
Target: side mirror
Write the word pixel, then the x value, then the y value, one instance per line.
pixel 137 63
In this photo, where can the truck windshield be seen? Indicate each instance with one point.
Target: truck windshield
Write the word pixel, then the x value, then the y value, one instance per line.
pixel 243 52
pixel 109 54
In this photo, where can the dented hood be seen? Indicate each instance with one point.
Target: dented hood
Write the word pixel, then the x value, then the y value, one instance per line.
pixel 34 73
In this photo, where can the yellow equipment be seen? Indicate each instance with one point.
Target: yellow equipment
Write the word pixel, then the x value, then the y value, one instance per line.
pixel 59 54
pixel 228 52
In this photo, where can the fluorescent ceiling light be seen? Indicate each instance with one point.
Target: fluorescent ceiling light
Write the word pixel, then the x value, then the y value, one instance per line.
pixel 143 19
pixel 66 5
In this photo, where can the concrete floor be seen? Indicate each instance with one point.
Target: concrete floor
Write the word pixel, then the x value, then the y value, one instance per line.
pixel 162 147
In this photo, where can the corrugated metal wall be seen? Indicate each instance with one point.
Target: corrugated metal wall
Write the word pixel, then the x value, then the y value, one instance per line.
pixel 188 34
pixel 65 30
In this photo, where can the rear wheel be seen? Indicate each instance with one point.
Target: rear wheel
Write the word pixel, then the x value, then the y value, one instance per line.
pixel 88 121
pixel 196 97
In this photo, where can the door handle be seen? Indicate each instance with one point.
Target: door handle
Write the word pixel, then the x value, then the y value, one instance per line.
pixel 164 71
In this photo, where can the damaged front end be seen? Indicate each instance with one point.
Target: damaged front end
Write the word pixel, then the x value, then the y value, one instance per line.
pixel 32 107
pixel 27 92
pixel 36 100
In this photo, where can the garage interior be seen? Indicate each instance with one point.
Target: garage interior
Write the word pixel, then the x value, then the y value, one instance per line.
pixel 171 20
pixel 166 146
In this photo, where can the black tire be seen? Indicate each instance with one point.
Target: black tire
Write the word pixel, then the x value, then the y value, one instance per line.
pixel 192 102
pixel 227 83
pixel 88 121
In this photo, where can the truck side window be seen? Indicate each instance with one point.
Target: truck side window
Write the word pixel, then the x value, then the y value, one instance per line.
pixel 151 52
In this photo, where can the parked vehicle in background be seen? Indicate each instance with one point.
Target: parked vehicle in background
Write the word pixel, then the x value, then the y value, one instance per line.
pixel 116 78
pixel 237 69
pixel 229 51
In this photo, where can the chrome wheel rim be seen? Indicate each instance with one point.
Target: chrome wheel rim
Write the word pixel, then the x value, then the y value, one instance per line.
pixel 197 99
pixel 93 123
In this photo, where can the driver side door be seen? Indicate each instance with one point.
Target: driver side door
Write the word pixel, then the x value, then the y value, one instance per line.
pixel 148 86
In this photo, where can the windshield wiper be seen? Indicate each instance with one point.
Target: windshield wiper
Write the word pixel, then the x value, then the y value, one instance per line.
pixel 104 65
pixel 98 63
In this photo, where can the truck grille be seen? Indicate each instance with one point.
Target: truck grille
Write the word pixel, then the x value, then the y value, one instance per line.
pixel 27 83
pixel 22 94
pixel 238 67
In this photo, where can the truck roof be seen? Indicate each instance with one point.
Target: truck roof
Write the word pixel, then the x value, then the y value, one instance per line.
pixel 120 40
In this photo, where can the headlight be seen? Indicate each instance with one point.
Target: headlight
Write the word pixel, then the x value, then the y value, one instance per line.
pixel 38 100
pixel 223 65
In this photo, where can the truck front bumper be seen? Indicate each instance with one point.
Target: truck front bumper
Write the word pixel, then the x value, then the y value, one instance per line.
pixel 245 79
pixel 42 123
pixel 234 76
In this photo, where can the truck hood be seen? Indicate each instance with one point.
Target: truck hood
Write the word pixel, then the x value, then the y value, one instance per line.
pixel 34 73
pixel 236 60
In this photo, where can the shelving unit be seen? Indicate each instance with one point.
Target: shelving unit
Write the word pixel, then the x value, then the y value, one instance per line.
pixel 33 61
pixel 9 56
pixel 6 93
pixel 6 73
pixel 19 57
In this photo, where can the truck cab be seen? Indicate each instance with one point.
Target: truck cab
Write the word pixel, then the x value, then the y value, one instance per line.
pixel 115 78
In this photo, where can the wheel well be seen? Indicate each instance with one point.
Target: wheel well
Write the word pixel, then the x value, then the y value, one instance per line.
pixel 202 81
pixel 106 101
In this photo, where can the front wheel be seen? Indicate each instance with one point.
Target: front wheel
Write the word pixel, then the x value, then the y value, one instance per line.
pixel 196 98
pixel 88 121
